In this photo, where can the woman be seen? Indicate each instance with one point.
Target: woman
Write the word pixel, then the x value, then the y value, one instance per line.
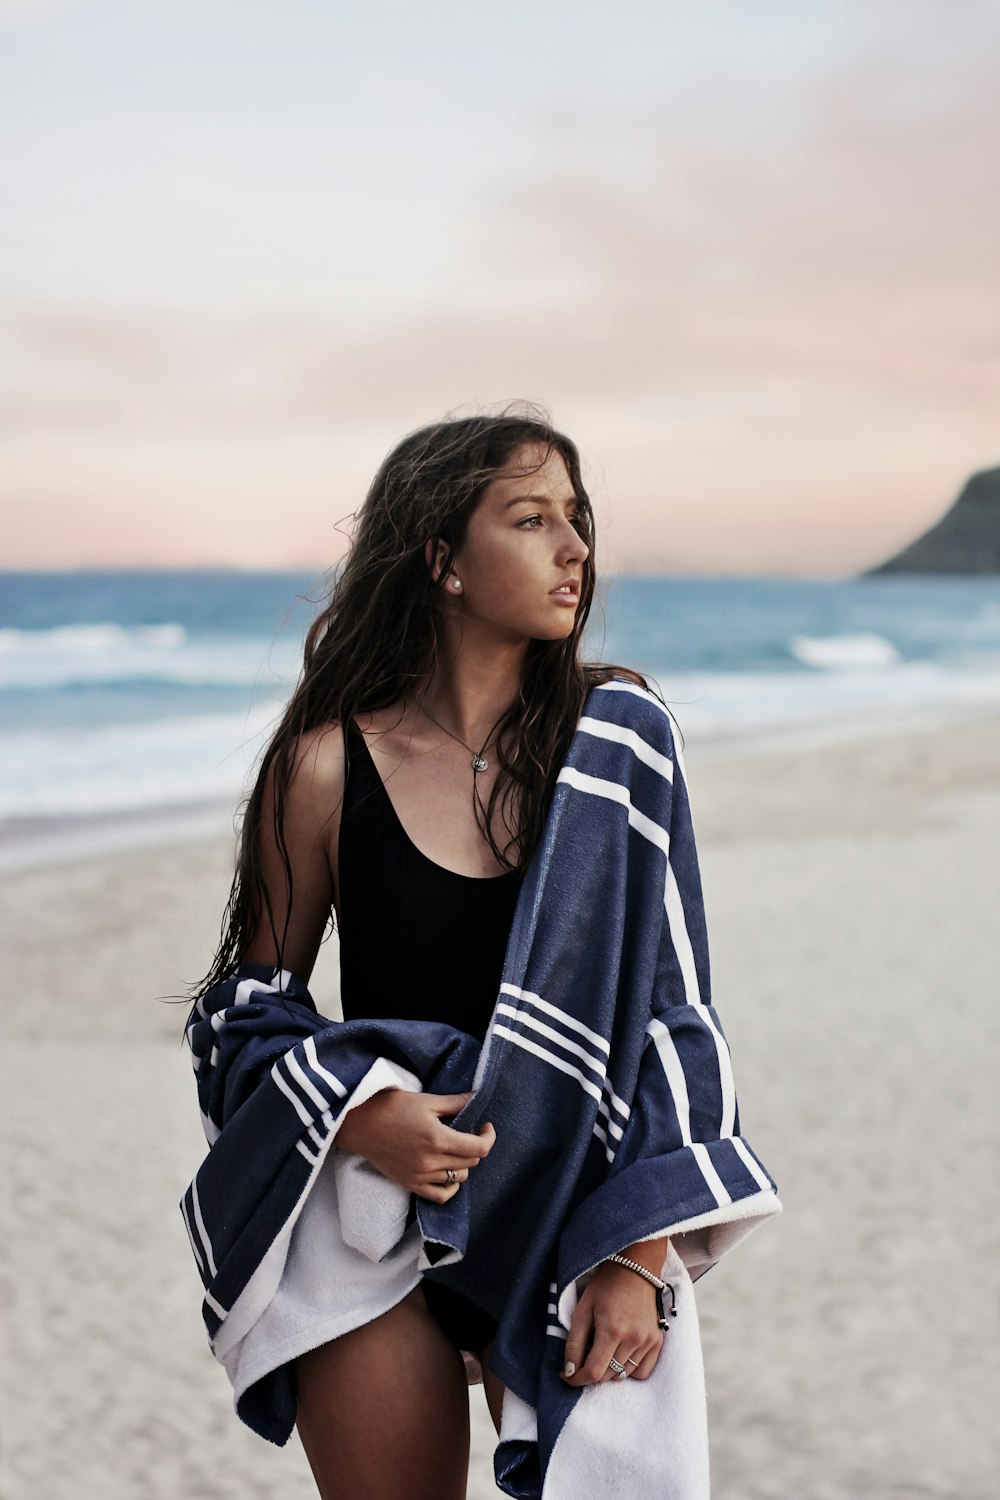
pixel 405 791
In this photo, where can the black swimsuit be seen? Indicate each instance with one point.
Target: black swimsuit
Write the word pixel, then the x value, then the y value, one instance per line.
pixel 417 942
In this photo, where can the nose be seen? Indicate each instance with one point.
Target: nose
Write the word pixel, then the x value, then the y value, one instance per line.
pixel 572 547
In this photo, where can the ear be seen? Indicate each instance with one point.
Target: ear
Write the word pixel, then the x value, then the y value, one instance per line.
pixel 435 553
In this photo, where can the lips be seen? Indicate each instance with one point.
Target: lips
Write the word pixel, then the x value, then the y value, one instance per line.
pixel 568 590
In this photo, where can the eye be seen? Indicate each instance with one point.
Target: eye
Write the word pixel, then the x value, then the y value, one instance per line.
pixel 526 523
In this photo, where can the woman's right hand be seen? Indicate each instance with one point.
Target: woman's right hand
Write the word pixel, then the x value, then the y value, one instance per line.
pixel 404 1137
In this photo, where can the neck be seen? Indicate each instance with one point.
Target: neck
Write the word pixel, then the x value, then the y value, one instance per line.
pixel 473 684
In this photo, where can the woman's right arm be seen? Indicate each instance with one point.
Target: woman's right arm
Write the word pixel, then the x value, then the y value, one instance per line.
pixel 402 1134
pixel 310 825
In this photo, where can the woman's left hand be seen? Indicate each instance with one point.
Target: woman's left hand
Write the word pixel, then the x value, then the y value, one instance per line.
pixel 618 1309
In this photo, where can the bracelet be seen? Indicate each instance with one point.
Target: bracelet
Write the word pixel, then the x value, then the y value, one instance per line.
pixel 661 1287
pixel 633 1265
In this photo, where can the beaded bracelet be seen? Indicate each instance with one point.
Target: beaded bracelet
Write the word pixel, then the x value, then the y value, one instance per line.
pixel 661 1287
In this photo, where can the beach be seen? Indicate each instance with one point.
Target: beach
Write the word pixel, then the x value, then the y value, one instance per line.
pixel 852 887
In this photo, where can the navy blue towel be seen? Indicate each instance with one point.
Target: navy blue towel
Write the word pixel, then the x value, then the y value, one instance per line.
pixel 605 1072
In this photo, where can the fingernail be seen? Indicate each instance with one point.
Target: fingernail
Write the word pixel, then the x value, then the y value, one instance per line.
pixel 569 1368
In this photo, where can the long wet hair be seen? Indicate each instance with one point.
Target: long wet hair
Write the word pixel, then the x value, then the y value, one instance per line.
pixel 375 644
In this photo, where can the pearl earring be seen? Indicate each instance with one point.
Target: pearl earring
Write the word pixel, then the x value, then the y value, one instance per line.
pixel 456 583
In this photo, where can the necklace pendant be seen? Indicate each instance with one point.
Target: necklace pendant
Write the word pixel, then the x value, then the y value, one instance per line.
pixel 479 764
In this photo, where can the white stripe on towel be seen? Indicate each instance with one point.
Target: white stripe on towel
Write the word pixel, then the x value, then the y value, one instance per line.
pixel 318 1068
pixel 711 1176
pixel 727 1084
pixel 299 1075
pixel 194 1243
pixel 558 1015
pixel 206 1243
pixel 603 730
pixel 674 907
pixel 613 791
pixel 553 1036
pixel 549 1057
pixel 290 1093
pixel 676 1082
pixel 760 1178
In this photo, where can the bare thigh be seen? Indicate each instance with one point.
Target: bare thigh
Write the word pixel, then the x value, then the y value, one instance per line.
pixel 383 1411
pixel 494 1388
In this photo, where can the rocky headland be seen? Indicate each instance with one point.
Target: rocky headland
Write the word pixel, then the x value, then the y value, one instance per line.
pixel 965 540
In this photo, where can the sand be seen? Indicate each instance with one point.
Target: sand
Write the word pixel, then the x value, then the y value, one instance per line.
pixel 852 893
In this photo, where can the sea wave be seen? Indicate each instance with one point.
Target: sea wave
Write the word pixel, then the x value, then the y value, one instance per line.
pixel 91 637
pixel 841 653
pixel 108 654
pixel 83 770
pixel 127 767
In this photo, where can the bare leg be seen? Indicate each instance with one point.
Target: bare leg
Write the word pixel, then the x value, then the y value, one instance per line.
pixel 493 1386
pixel 383 1411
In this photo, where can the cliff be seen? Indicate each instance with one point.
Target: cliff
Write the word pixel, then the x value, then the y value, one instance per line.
pixel 965 540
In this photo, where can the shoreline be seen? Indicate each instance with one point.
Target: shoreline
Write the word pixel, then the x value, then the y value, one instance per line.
pixel 45 841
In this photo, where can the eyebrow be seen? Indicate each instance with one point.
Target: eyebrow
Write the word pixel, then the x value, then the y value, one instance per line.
pixel 538 500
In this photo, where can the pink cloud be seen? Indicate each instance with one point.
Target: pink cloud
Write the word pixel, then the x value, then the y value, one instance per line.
pixel 799 345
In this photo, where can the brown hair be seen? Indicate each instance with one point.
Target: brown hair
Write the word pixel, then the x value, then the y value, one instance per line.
pixel 375 642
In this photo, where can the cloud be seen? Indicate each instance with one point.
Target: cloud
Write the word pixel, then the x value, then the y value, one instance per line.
pixel 30 10
pixel 807 312
pixel 865 248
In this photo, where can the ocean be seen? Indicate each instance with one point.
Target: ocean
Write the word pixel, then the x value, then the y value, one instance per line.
pixel 151 692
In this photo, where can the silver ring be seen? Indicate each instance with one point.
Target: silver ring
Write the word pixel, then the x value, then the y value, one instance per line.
pixel 451 1175
pixel 619 1370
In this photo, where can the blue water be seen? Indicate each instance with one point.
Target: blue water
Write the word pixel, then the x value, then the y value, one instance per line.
pixel 126 690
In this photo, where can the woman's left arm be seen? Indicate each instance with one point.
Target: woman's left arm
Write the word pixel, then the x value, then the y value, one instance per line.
pixel 616 1316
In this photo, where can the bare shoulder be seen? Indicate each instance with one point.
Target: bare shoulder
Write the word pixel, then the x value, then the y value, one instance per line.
pixel 315 786
pixel 319 758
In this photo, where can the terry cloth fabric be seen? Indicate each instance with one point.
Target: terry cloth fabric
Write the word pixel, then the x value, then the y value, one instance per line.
pixel 607 1076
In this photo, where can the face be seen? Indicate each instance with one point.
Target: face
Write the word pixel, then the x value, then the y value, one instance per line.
pixel 521 563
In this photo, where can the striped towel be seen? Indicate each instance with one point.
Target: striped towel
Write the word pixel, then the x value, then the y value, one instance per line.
pixel 607 1076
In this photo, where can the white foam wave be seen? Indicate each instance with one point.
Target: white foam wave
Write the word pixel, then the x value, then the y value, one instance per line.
pixel 91 637
pixel 124 768
pixel 844 653
pixel 94 655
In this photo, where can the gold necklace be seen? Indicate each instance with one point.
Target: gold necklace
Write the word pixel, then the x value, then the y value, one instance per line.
pixel 479 762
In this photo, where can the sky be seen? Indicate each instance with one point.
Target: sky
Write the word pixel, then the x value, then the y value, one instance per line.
pixel 745 254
